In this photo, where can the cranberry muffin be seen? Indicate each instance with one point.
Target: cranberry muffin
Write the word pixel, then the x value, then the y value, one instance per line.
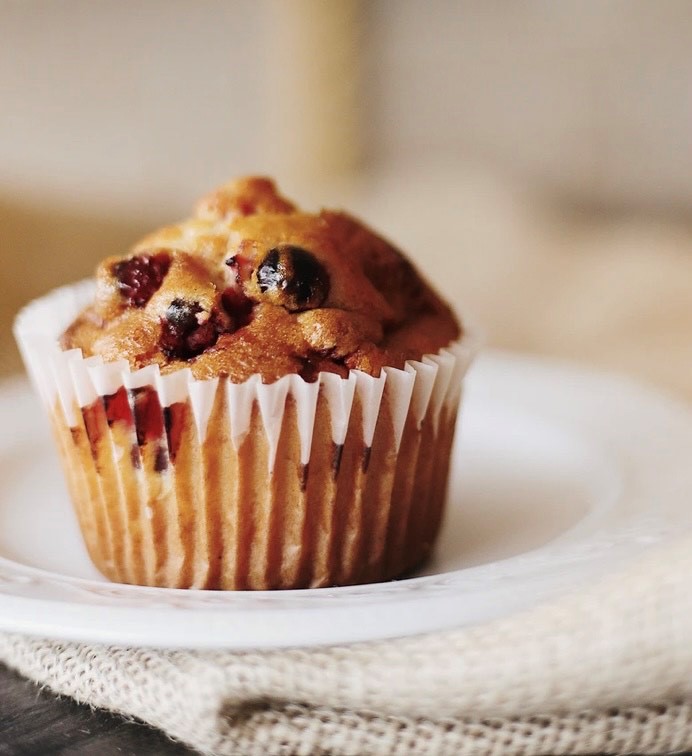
pixel 254 398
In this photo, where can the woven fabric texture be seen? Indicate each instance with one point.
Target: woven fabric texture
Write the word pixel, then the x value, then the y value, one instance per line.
pixel 608 669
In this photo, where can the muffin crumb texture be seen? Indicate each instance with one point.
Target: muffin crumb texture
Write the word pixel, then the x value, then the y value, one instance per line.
pixel 250 284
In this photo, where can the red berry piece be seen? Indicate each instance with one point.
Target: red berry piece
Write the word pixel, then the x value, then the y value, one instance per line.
pixel 180 322
pixel 148 414
pixel 140 277
pixel 161 459
pixel 118 408
pixel 202 338
pixel 181 316
pixel 183 336
pixel 135 457
pixel 175 419
pixel 238 306
pixel 241 267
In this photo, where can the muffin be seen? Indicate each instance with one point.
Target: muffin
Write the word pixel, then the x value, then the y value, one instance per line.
pixel 255 398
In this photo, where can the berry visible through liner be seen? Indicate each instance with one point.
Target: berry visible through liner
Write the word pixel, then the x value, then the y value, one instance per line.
pixel 117 407
pixel 149 422
pixel 175 418
pixel 140 277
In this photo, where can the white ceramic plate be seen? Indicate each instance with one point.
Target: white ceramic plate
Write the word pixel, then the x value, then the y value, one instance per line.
pixel 560 476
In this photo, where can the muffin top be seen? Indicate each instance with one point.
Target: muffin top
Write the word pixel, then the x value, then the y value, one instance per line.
pixel 250 284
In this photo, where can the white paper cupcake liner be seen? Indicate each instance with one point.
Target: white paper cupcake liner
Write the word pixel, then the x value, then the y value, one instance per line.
pixel 148 520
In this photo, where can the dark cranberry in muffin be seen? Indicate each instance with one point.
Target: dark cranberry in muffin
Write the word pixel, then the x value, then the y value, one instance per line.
pixel 140 277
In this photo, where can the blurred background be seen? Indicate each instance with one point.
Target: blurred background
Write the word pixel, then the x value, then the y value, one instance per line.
pixel 533 158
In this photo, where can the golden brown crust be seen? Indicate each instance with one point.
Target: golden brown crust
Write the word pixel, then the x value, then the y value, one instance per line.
pixel 252 285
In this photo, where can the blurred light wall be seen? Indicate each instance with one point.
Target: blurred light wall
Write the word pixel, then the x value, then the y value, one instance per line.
pixel 122 102
pixel 114 103
pixel 591 99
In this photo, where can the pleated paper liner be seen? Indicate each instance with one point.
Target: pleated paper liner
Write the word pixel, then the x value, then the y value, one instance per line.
pixel 184 483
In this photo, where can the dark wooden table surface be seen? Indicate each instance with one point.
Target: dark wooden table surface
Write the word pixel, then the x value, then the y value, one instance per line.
pixel 34 722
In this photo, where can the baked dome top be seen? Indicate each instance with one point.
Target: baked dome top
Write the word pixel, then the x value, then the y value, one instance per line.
pixel 250 284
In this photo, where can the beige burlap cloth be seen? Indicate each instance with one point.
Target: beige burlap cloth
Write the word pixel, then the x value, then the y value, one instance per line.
pixel 606 669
